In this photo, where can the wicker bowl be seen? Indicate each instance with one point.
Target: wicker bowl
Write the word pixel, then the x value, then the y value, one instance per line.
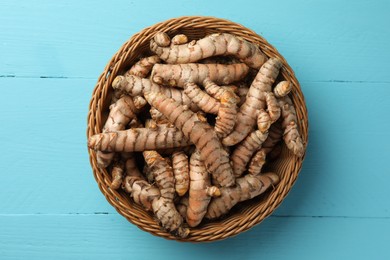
pixel 243 216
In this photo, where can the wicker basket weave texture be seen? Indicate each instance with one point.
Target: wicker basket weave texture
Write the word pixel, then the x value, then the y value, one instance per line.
pixel 245 216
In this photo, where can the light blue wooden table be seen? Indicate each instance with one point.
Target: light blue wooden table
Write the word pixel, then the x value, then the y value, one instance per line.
pixel 51 53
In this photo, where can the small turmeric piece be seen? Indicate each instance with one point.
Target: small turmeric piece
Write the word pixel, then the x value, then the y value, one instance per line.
pixel 255 100
pixel 121 113
pixel 117 173
pixel 138 140
pixel 164 207
pixel 143 67
pixel 158 117
pixel 282 89
pixel 248 187
pixel 257 162
pixel 116 95
pixel 275 135
pixel 134 123
pixel 263 121
pixel 291 135
pixel 161 39
pixel 179 39
pixel 135 86
pixel 162 173
pixel 182 206
pixel 148 174
pixel 149 197
pixel 181 172
pixel 199 133
pixel 200 192
pixel 170 219
pixel 179 74
pixel 244 151
pixel 227 114
pixel 273 107
pixel 201 99
pixel 212 45
pixel 216 91
pixel 140 190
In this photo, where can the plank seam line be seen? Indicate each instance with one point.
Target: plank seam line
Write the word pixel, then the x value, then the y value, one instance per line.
pixel 347 81
pixel 116 214
pixel 328 216
pixel 43 77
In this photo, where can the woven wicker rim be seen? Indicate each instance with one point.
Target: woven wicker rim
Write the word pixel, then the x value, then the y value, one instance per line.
pixel 287 166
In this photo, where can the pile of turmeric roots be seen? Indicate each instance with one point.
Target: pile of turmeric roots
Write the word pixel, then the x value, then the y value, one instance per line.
pixel 190 128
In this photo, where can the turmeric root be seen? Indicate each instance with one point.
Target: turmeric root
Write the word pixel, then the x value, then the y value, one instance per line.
pixel 272 106
pixel 139 102
pixel 116 95
pixel 246 117
pixel 138 140
pixel 149 197
pixel 216 91
pixel 163 207
pixel 121 113
pixel 135 86
pixel 200 192
pixel 179 39
pixel 201 135
pixel 257 162
pixel 161 39
pixel 180 172
pixel 291 135
pixel 244 151
pixel 117 173
pixel 162 173
pixel 275 134
pixel 212 45
pixel 242 92
pixel 263 121
pixel 142 67
pixel 227 114
pixel 158 117
pixel 140 190
pixel 148 174
pixel 201 98
pixel 170 219
pixel 180 74
pixel 247 188
pixel 182 206
pixel 282 89
pixel 134 123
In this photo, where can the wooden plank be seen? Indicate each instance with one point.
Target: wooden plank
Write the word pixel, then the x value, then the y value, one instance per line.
pixel 45 163
pixel 345 172
pixel 110 236
pixel 45 157
pixel 323 41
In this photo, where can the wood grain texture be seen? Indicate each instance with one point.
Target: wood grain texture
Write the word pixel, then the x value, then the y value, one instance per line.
pixel 51 55
pixel 110 236
pixel 346 158
pixel 45 163
pixel 322 40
